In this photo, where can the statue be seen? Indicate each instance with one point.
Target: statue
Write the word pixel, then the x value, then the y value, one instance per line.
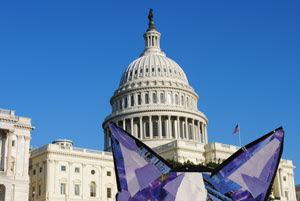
pixel 150 16
pixel 151 23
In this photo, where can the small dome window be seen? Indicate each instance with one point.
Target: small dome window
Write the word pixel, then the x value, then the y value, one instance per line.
pixel 135 72
pixel 175 71
pixel 165 70
pixel 158 69
pixel 170 71
pixel 141 71
pixel 152 69
pixel 147 70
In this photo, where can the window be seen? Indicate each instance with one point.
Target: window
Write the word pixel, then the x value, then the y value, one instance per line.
pixel 120 104
pixel 163 128
pixel 187 102
pixel 13 143
pixel 63 168
pixel 93 189
pixel 176 99
pixel 108 192
pixel 77 169
pixel 155 128
pixel 154 97
pixel 125 102
pixel 33 172
pixel 76 189
pixel 182 100
pixel 40 189
pixel 284 178
pixel 108 173
pixel 62 188
pixel 139 99
pixel 33 192
pixel 147 129
pixel 132 100
pixel 162 100
pixel 152 69
pixel 146 98
pixel 41 169
pixel 92 171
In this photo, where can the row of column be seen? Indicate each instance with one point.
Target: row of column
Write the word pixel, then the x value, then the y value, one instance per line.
pixel 14 162
pixel 162 127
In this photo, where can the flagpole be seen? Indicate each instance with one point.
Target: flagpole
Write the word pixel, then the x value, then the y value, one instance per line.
pixel 240 135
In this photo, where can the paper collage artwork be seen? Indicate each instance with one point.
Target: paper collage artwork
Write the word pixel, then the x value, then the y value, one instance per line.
pixel 142 175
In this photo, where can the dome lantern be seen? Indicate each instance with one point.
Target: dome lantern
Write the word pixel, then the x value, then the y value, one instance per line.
pixel 152 39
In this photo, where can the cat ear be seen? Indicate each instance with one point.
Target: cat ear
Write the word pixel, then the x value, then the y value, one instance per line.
pixel 251 170
pixel 136 164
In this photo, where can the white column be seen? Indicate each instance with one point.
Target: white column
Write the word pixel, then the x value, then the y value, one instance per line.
pixel 193 130
pixel 48 178
pixel 131 127
pixel 19 156
pixel 8 159
pixel 178 128
pixel 159 127
pixel 199 132
pixel 141 128
pixel 186 128
pixel 205 133
pixel 124 126
pixel 151 127
pixel 169 127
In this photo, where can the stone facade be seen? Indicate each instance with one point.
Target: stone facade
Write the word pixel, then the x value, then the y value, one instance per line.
pixel 14 156
pixel 60 172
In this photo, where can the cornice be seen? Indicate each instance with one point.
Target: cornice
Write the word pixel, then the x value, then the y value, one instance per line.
pixel 141 110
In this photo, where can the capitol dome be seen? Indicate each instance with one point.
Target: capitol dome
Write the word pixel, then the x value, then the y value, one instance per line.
pixel 154 101
pixel 153 66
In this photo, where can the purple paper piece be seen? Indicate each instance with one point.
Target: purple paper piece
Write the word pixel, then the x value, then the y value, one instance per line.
pixel 146 175
pixel 255 185
pixel 172 186
pixel 123 196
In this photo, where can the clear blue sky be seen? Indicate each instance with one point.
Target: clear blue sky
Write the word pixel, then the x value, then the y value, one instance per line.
pixel 60 62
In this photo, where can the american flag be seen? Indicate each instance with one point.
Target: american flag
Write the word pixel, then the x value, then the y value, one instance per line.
pixel 237 128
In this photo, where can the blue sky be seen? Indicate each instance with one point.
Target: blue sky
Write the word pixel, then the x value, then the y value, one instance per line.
pixel 61 61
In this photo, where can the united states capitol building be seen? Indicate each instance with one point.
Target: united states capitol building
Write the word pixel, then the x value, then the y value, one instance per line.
pixel 155 103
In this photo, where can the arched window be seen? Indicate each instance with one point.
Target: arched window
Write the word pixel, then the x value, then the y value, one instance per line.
pixel 93 189
pixel 139 99
pixel 125 102
pixel 132 100
pixel 120 104
pixel 146 98
pixel 187 102
pixel 154 98
pixel 162 100
pixel 176 99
